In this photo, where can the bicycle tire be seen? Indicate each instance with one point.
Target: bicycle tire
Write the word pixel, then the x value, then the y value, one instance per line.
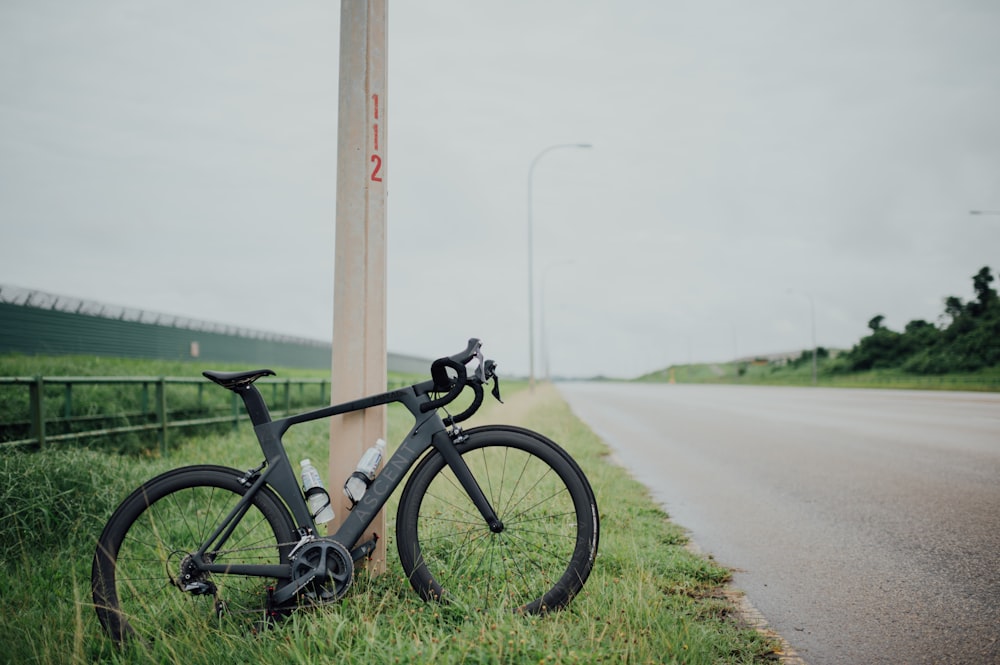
pixel 547 548
pixel 139 556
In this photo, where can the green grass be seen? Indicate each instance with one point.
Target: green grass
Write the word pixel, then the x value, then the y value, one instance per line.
pixel 750 374
pixel 648 600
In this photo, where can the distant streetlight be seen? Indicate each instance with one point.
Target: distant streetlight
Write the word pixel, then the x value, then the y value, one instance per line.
pixel 984 212
pixel 531 257
pixel 812 319
pixel 544 331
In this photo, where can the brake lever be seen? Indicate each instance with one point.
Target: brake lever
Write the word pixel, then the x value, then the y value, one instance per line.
pixel 489 372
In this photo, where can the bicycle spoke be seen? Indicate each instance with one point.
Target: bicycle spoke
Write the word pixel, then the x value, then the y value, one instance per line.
pixel 156 531
pixel 515 568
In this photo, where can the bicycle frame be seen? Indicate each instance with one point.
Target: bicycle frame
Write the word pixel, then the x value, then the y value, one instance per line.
pixel 428 431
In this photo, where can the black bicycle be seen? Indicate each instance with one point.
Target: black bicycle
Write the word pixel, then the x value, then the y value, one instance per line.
pixel 496 517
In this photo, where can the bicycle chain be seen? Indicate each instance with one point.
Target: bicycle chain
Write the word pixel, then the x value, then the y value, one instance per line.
pixel 215 553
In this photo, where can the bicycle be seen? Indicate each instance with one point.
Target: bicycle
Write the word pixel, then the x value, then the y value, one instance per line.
pixel 496 517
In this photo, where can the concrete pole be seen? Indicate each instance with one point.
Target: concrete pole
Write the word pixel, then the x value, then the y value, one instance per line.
pixel 359 301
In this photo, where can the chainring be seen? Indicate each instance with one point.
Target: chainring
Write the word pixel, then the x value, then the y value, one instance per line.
pixel 324 567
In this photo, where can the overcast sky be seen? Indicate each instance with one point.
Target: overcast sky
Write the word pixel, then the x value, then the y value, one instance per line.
pixel 180 157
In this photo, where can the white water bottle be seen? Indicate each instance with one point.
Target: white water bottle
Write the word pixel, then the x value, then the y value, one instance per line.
pixel 358 483
pixel 316 494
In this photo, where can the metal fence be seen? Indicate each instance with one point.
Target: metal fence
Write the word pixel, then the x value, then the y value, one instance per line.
pixel 48 415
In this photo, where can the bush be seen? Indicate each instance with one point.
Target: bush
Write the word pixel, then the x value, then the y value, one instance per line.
pixel 968 342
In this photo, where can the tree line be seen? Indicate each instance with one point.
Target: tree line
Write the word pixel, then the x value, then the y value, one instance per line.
pixel 966 338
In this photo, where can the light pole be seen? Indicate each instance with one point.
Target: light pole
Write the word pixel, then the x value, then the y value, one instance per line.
pixel 812 320
pixel 531 258
pixel 544 331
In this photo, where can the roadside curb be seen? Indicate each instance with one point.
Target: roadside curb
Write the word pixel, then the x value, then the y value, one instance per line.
pixel 750 617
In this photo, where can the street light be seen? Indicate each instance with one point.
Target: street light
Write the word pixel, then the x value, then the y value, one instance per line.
pixel 984 212
pixel 531 258
pixel 544 330
pixel 812 319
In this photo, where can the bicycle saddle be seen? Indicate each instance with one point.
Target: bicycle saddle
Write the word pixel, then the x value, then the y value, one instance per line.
pixel 235 380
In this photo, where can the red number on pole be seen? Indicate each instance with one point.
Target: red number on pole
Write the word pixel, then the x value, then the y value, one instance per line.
pixel 375 159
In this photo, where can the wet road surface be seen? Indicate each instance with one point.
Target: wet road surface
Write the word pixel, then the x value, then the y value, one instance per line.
pixel 863 524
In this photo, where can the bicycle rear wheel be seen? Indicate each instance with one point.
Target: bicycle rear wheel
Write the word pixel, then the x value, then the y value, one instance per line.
pixel 139 567
pixel 546 550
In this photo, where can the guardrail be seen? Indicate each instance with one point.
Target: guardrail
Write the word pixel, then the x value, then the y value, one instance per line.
pixel 152 413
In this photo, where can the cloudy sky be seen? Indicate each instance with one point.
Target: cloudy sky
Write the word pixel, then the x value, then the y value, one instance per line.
pixel 749 159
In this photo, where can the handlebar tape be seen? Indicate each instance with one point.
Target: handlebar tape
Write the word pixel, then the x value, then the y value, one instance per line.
pixel 456 362
pixel 440 374
pixel 477 402
pixel 442 381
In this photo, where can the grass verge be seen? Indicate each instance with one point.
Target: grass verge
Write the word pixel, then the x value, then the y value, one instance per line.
pixel 987 380
pixel 649 599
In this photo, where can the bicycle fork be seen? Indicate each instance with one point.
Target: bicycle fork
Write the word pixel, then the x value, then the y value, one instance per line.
pixel 449 451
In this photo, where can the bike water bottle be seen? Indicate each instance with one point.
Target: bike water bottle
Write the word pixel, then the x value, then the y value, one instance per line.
pixel 316 494
pixel 363 476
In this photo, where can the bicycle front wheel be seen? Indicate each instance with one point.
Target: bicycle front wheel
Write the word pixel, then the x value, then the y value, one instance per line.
pixel 141 581
pixel 546 550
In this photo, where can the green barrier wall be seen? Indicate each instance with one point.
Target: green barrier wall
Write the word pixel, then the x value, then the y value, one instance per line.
pixel 36 331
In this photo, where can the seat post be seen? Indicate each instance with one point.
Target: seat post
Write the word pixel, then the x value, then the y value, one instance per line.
pixel 254 402
pixel 241 383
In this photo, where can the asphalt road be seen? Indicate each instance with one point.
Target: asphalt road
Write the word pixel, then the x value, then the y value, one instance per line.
pixel 863 524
